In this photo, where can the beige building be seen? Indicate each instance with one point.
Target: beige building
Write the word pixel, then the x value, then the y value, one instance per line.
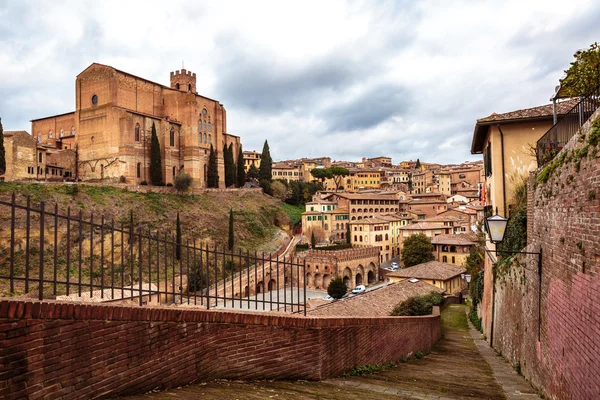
pixel 453 249
pixel 444 182
pixel 286 172
pixel 325 217
pixel 362 178
pixel 366 205
pixel 506 142
pixel 112 124
pixel 421 181
pixel 439 274
pixel 376 231
pixel 429 229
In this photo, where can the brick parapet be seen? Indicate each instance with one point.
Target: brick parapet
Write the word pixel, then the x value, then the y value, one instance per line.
pixel 93 351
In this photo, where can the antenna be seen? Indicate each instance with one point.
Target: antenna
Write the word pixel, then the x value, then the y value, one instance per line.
pixel 182 64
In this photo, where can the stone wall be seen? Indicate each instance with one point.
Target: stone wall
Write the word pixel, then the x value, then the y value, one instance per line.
pixel 65 350
pixel 555 338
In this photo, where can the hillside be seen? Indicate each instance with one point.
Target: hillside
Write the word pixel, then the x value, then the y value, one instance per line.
pixel 259 219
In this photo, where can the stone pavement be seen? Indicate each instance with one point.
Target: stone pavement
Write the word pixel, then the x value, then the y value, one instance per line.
pixel 459 367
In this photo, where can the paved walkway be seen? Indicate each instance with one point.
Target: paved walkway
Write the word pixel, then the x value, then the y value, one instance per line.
pixel 458 368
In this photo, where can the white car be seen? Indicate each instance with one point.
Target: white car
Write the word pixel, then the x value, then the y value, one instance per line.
pixel 394 264
pixel 359 289
pixel 328 298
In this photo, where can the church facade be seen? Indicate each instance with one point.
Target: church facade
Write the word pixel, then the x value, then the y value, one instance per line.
pixel 111 127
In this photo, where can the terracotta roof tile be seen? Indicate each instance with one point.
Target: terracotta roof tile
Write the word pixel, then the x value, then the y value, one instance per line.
pixel 534 112
pixel 430 270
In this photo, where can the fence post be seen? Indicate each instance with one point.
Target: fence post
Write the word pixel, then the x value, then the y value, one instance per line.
pixel 41 274
pixel 12 245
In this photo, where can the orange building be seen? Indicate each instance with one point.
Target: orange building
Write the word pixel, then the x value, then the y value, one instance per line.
pixel 112 124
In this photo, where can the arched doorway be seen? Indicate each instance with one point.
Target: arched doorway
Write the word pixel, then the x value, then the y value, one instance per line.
pixel 326 281
pixel 246 291
pixel 359 279
pixel 259 287
pixel 347 281
pixel 347 277
pixel 272 284
pixel 371 277
pixel 318 281
pixel 309 280
pixel 360 272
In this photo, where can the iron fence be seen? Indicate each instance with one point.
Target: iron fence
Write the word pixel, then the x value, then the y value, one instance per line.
pixel 65 256
pixel 566 127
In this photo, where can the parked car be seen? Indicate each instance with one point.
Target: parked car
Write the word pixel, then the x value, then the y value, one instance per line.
pixel 394 264
pixel 328 297
pixel 359 289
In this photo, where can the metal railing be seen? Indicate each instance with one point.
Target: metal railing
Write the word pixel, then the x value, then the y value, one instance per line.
pixel 567 126
pixel 67 257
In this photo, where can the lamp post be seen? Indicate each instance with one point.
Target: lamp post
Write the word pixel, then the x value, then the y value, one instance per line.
pixel 495 227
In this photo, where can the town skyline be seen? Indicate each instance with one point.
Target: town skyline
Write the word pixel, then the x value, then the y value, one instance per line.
pixel 365 81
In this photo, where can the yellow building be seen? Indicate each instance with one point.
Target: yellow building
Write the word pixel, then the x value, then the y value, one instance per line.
pixel 251 158
pixel 444 182
pixel 505 140
pixel 439 274
pixel 362 179
pixel 285 172
pixel 429 229
pixel 453 249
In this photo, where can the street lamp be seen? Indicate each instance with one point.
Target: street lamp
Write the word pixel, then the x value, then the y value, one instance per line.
pixel 496 228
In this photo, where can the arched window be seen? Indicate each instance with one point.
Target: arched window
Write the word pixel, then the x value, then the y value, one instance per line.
pixel 62 133
pixel 205 126
pixel 386 236
pixel 209 127
pixel 172 137
pixel 137 132
pixel 452 249
pixel 139 170
pixel 50 134
pixel 361 238
pixel 199 125
pixel 189 87
pixel 173 172
pixel 209 138
pixel 177 86
pixel 205 138
pixel 73 130
pixel 444 259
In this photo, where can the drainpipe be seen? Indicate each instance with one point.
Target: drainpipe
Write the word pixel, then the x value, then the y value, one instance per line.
pixel 503 174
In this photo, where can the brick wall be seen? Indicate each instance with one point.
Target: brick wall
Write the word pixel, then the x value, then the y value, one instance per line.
pixel 96 351
pixel 563 221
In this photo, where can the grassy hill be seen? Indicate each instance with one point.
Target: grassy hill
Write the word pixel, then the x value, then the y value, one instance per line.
pixel 259 219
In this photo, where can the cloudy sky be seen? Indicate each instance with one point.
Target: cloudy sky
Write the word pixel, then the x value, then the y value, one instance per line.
pixel 405 79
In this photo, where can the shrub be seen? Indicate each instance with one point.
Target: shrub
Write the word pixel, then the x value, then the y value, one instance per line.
pixel 122 179
pixel 183 181
pixel 266 186
pixel 417 305
pixel 72 190
pixel 417 249
pixel 337 288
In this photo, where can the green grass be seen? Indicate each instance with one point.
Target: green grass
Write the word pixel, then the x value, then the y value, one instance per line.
pixel 294 212
pixel 454 316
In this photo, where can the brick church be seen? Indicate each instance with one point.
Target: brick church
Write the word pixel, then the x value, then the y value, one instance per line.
pixel 111 127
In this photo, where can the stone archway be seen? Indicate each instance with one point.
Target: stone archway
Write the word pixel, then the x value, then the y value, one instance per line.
pixel 371 277
pixel 347 277
pixel 359 279
pixel 272 285
pixel 326 281
pixel 318 281
pixel 360 273
pixel 260 287
pixel 309 280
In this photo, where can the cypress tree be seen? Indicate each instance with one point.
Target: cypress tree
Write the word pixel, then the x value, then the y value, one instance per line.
pixel 227 165
pixel 241 173
pixel 155 163
pixel 178 240
pixel 418 165
pixel 2 152
pixel 313 240
pixel 230 241
pixel 232 171
pixel 348 234
pixel 212 179
pixel 266 164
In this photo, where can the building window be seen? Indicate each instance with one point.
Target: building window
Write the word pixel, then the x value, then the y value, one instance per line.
pixel 50 134
pixel 172 137
pixel 444 259
pixel 139 170
pixel 137 132
pixel 40 157
pixel 177 86
pixel 62 133
pixel 199 125
pixel 189 87
pixel 205 138
pixel 73 130
pixel 173 172
pixel 39 139
pixel 209 138
pixel 94 100
pixel 453 260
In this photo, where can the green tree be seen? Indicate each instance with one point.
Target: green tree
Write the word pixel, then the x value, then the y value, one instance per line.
pixel 313 240
pixel 266 164
pixel 232 172
pixel 212 179
pixel 417 249
pixel 155 160
pixel 279 190
pixel 474 261
pixel 338 175
pixel 348 233
pixel 2 151
pixel 583 74
pixel 178 239
pixel 321 173
pixel 183 181
pixel 252 172
pixel 241 173
pixel 418 165
pixel 230 241
pixel 227 164
pixel 266 186
pixel 337 288
pixel 418 305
